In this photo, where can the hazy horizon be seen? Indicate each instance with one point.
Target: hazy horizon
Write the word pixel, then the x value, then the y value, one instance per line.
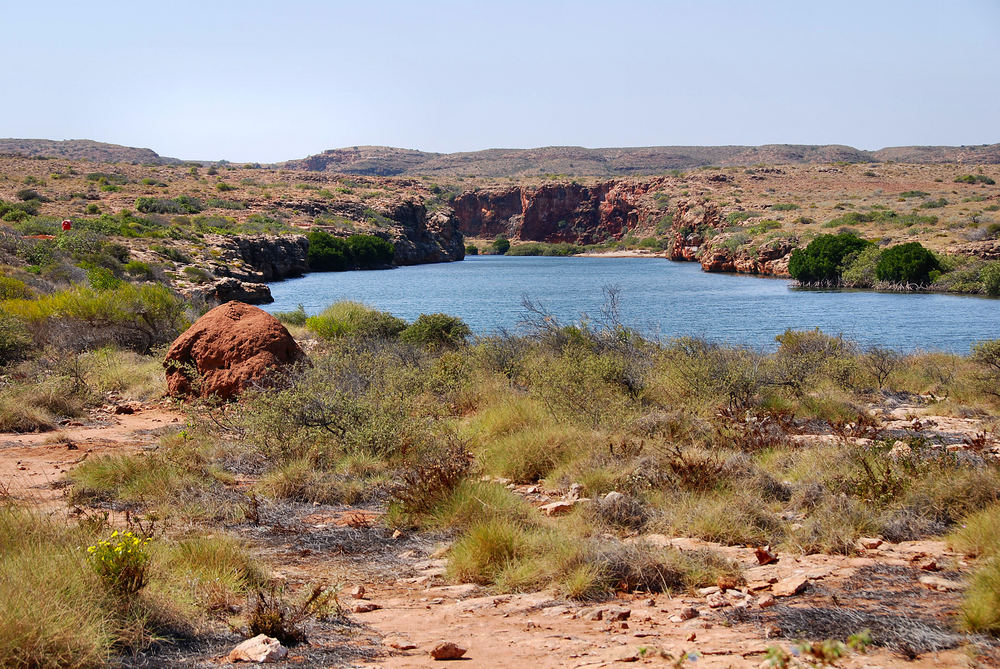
pixel 261 82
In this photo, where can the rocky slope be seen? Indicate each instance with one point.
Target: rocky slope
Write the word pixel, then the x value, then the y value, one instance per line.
pixel 83 149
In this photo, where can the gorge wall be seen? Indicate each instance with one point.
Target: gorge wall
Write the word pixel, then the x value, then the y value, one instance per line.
pixel 694 228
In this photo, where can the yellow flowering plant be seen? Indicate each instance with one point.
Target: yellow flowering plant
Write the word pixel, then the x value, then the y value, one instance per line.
pixel 121 561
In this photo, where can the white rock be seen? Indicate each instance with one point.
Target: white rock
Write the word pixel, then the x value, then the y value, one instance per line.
pixel 260 649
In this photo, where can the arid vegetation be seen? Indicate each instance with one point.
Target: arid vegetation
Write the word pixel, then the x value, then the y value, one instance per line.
pixel 622 439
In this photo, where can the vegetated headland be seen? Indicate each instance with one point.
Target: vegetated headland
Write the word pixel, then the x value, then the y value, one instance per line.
pixel 366 491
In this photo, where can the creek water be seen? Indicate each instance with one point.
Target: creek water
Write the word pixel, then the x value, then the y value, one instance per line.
pixel 658 297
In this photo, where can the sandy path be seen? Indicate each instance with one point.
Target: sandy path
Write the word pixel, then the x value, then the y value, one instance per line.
pixel 33 466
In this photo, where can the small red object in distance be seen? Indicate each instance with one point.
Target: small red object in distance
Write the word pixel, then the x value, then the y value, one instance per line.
pixel 67 224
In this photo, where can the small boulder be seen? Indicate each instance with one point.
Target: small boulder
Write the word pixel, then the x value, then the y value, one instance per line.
pixel 765 555
pixel 228 350
pixel 792 585
pixel 446 650
pixel 260 649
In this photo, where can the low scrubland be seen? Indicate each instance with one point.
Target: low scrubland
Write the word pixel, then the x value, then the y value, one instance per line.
pixel 431 425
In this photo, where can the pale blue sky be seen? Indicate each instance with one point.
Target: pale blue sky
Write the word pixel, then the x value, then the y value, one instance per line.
pixel 270 81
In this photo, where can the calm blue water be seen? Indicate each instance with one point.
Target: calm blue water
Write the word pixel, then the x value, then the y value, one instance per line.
pixel 659 297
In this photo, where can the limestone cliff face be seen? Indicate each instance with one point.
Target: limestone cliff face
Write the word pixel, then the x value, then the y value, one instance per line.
pixel 695 228
pixel 259 258
pixel 421 237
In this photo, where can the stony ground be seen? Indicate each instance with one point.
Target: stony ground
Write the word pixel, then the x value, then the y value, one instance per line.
pixel 401 606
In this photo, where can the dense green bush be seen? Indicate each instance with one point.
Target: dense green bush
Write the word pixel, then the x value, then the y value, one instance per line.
pixel 353 319
pixel 333 254
pixel 471 250
pixel 14 339
pixel 974 179
pixel 544 249
pixel 436 330
pixel 326 252
pixel 907 263
pixel 500 245
pixel 860 273
pixel 137 317
pixel 369 251
pixel 181 204
pixel 823 260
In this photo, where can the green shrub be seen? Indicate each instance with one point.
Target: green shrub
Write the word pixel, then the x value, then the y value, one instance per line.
pixel 137 268
pixel 907 263
pixel 121 561
pixel 353 319
pixel 471 250
pixel 500 245
pixel 439 330
pixel 860 273
pixel 178 205
pixel 737 217
pixel 823 259
pixel 370 251
pixel 544 249
pixel 223 187
pixel 296 316
pixel 332 254
pixel 13 289
pixel 327 253
pixel 138 317
pixel 974 179
pixel 15 341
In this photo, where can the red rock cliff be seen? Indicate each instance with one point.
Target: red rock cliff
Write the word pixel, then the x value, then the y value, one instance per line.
pixel 695 227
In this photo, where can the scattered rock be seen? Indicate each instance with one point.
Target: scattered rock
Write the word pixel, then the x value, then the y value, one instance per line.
pixel 260 649
pixel 688 612
pixel 365 607
pixel 399 643
pixel 557 508
pixel 766 601
pixel 617 613
pixel 792 585
pixel 710 590
pixel 717 600
pixel 575 490
pixel 626 655
pixel 930 564
pixel 727 582
pixel 446 650
pixel 691 637
pixel 765 555
pixel 229 349
pixel 940 584
pixel 358 592
pixel 613 497
pixel 899 449
pixel 870 543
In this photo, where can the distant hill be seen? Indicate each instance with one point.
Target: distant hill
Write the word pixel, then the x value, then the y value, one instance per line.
pixel 83 149
pixel 578 161
pixel 564 160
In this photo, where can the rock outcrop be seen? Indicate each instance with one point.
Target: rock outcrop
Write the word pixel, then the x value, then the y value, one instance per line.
pixel 228 289
pixel 420 237
pixel 231 348
pixel 259 258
